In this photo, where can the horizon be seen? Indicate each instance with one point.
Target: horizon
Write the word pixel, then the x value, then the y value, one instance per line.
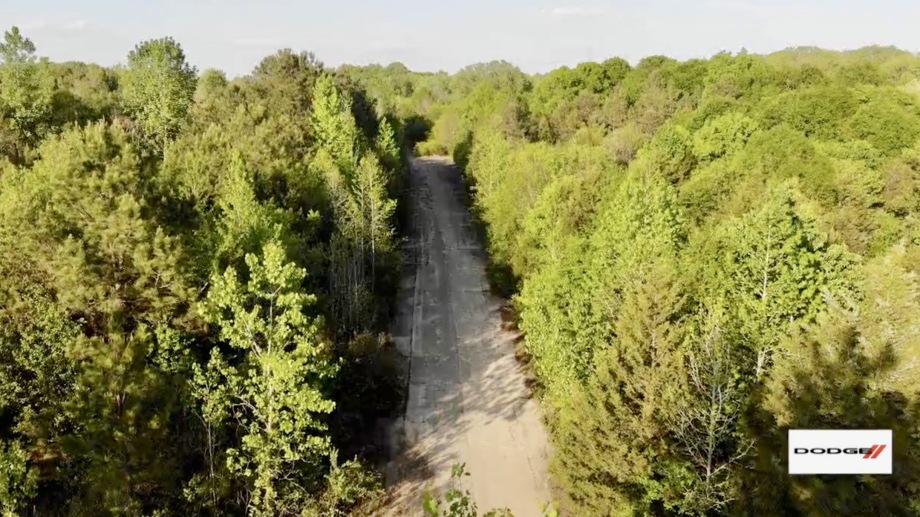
pixel 233 36
pixel 632 62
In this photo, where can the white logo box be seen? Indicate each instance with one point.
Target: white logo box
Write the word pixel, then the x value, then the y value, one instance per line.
pixel 851 451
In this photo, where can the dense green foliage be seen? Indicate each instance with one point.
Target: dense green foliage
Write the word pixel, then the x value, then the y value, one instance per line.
pixel 193 276
pixel 195 273
pixel 703 254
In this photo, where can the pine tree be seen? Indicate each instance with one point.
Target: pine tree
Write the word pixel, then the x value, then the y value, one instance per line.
pixel 334 128
pixel 568 307
pixel 613 441
pixel 244 225
pixel 774 268
pixel 273 385
pixel 387 147
pixel 82 219
pixel 86 208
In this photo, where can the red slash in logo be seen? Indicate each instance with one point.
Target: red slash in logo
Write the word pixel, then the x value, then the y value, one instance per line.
pixel 874 452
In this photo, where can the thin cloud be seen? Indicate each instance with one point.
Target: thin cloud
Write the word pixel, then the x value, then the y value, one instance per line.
pixel 576 11
pixel 257 42
pixel 32 25
pixel 735 6
pixel 53 26
pixel 76 25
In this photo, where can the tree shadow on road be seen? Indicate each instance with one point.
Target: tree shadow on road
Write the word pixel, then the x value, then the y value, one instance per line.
pixel 493 388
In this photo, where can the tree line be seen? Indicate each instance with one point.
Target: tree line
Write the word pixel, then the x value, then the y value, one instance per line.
pixel 195 274
pixel 702 255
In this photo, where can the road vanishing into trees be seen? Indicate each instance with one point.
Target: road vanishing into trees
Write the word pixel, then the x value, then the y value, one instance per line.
pixel 467 400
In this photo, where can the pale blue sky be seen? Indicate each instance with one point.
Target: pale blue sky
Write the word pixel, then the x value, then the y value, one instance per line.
pixel 234 35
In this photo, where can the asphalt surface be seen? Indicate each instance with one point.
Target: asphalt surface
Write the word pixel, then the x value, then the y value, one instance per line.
pixel 467 401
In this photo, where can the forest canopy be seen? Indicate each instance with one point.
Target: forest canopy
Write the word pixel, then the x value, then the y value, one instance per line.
pixel 195 276
pixel 702 255
pixel 197 273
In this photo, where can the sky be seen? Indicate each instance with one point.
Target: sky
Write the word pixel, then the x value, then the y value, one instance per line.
pixel 536 35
